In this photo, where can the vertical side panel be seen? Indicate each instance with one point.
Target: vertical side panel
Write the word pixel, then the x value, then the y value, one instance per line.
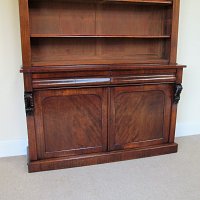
pixel 28 82
pixel 25 33
pixel 109 118
pixel 26 57
pixel 173 123
pixel 174 35
pixel 174 109
pixel 32 146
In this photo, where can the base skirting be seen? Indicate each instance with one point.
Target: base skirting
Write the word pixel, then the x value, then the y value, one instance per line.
pixel 92 159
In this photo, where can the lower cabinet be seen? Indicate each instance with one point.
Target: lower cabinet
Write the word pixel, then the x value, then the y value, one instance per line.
pixel 72 122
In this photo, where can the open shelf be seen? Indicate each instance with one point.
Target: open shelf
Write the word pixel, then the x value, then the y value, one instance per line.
pixel 64 19
pixel 97 36
pixel 65 32
pixel 66 51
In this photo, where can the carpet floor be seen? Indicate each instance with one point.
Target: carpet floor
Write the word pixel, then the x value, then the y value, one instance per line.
pixel 168 177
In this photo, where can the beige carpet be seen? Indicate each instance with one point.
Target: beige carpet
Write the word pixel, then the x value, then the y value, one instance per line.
pixel 169 177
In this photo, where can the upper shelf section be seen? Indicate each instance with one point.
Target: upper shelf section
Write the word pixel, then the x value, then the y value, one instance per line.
pixel 76 32
pixel 163 2
pixel 58 18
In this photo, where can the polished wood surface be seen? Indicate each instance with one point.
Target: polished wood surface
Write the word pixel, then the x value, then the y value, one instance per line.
pixel 98 67
pixel 140 116
pixel 174 33
pixel 25 32
pixel 101 80
pixel 94 159
pixel 125 50
pixel 150 2
pixel 70 122
pixel 96 19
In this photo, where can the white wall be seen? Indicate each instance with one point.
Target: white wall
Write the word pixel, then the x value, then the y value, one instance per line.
pixel 189 54
pixel 12 117
pixel 13 136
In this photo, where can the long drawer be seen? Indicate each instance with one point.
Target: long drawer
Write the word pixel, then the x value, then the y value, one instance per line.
pixel 98 78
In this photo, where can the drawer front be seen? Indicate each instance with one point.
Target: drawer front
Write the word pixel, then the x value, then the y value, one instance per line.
pixel 81 79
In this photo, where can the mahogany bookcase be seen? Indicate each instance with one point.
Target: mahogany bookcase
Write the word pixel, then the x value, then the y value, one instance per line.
pixel 101 80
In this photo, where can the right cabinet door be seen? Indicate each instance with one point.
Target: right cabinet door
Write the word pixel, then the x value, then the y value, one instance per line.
pixel 140 116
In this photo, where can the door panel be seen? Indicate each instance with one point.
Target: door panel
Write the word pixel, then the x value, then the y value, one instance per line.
pixel 71 121
pixel 140 116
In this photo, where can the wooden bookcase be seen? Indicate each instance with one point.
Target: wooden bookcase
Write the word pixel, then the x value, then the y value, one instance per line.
pixel 101 80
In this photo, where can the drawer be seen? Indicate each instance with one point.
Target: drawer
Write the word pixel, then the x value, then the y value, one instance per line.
pixel 70 79
pixel 99 78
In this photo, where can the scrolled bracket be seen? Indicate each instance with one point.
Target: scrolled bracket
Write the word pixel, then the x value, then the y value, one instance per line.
pixel 29 103
pixel 178 90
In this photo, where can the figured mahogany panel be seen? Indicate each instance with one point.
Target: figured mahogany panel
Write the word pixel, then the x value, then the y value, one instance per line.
pixel 71 121
pixel 140 116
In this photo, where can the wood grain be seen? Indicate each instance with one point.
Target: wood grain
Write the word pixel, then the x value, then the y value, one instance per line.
pixel 25 33
pixel 174 33
pixel 140 116
pixel 125 50
pixel 98 67
pixel 94 159
pixel 71 122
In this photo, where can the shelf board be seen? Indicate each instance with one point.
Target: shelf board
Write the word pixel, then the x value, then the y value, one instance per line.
pixel 98 62
pixel 98 36
pixel 128 66
pixel 159 2
pixel 164 2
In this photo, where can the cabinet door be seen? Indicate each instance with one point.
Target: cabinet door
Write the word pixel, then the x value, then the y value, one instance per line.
pixel 140 116
pixel 70 121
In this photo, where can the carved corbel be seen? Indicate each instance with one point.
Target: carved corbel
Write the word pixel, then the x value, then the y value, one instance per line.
pixel 29 103
pixel 178 90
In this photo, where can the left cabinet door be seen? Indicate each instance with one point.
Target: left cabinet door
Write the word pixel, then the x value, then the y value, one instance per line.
pixel 70 121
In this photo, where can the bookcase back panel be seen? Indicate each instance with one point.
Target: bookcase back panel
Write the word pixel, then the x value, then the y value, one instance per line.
pixel 63 17
pixel 63 51
pixel 131 20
